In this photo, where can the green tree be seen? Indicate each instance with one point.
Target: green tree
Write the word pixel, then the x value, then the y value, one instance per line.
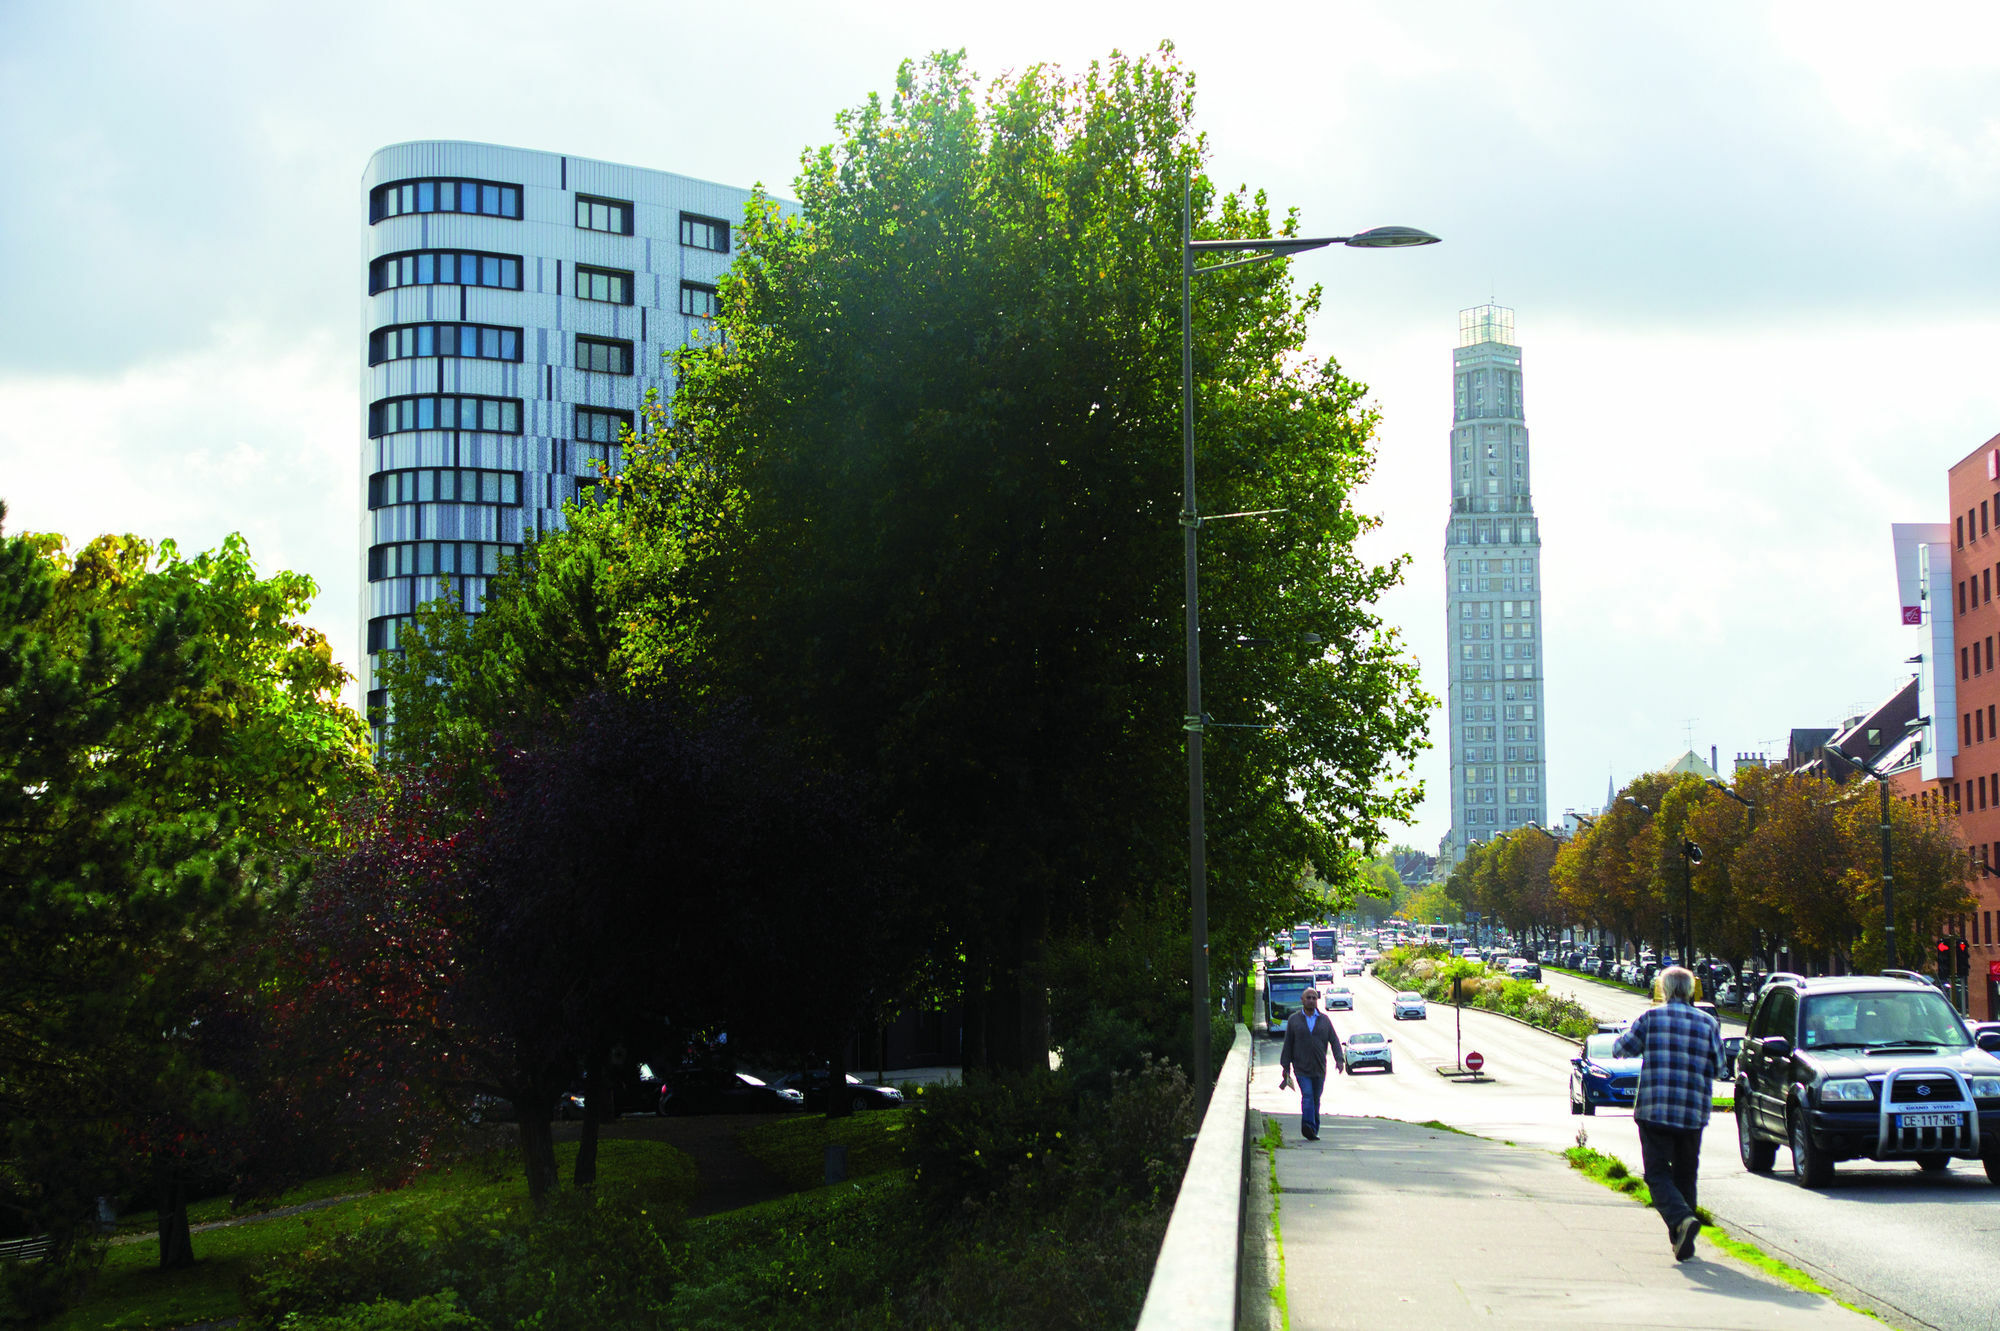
pixel 1433 906
pixel 934 447
pixel 171 748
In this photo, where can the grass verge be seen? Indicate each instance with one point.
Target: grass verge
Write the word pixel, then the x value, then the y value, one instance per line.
pixel 1272 1142
pixel 795 1148
pixel 1613 1173
pixel 130 1292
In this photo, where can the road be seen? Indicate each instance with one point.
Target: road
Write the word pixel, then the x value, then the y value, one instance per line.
pixel 1913 1247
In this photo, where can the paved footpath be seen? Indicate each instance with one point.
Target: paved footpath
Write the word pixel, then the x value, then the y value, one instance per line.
pixel 1391 1225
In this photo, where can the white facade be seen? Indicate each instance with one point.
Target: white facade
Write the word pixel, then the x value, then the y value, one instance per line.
pixel 516 308
pixel 1496 702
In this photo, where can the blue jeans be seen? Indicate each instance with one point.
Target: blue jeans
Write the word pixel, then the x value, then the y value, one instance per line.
pixel 1310 1089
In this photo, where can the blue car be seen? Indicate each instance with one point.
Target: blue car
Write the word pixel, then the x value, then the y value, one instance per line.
pixel 1596 1078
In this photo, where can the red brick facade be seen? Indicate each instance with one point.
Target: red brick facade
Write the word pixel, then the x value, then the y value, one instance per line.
pixel 1974 487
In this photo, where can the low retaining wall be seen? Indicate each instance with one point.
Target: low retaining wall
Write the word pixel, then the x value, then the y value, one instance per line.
pixel 1196 1278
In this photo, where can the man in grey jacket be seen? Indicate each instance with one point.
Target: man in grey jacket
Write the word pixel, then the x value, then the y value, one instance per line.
pixel 1308 1037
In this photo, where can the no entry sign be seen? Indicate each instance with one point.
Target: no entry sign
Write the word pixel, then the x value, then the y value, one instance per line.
pixel 1475 1061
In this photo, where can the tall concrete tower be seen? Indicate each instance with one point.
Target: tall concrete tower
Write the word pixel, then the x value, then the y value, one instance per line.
pixel 1496 704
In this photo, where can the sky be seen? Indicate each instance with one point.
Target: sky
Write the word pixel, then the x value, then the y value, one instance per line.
pixel 1752 247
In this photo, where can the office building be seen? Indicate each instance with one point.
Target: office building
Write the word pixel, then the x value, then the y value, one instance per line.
pixel 1496 701
pixel 517 307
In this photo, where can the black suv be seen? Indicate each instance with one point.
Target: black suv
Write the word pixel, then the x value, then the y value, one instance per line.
pixel 1864 1067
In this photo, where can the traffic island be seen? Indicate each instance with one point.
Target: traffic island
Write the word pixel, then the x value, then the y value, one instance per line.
pixel 1457 1073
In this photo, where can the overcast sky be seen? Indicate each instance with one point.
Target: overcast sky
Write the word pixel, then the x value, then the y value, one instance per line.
pixel 1753 248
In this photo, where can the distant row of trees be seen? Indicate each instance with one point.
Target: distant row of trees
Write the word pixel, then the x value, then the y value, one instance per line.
pixel 1788 862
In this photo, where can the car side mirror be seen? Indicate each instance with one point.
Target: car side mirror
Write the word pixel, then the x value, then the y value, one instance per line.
pixel 1989 1041
pixel 1732 1046
pixel 1777 1046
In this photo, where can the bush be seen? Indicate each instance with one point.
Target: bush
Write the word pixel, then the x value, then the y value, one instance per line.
pixel 433 1312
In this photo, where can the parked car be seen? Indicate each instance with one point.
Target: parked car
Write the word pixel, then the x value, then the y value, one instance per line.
pixel 1596 1078
pixel 1862 1067
pixel 865 1095
pixel 718 1091
pixel 1369 1049
pixel 1409 1006
pixel 1340 999
pixel 1524 970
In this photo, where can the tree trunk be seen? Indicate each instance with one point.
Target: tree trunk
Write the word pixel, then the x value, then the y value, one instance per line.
pixel 839 1104
pixel 600 1102
pixel 538 1148
pixel 176 1245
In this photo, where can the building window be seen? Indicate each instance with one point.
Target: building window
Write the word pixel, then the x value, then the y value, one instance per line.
pixel 422 558
pixel 385 632
pixel 444 411
pixel 612 215
pixel 598 426
pixel 473 341
pixel 700 301
pixel 606 284
pixel 488 198
pixel 603 355
pixel 443 485
pixel 423 268
pixel 705 233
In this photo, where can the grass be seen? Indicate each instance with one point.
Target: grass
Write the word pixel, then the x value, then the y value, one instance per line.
pixel 1614 1174
pixel 795 1148
pixel 1272 1142
pixel 131 1292
pixel 1436 1126
pixel 211 1209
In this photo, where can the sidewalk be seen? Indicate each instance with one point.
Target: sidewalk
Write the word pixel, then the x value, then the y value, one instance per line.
pixel 1392 1225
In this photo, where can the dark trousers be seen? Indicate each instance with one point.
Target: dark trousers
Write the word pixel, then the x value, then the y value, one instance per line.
pixel 1671 1157
pixel 1310 1089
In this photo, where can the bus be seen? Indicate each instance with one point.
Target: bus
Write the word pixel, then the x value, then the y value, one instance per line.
pixel 1284 992
pixel 1438 935
pixel 1325 945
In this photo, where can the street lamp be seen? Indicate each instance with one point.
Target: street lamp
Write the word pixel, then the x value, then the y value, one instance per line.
pixel 1260 251
pixel 1888 881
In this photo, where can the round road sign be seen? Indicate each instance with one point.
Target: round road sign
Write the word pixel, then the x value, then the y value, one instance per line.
pixel 1474 1061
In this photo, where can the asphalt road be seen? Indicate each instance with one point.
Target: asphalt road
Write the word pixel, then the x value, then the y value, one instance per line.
pixel 1914 1247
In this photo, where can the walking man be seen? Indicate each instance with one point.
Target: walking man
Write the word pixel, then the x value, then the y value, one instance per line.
pixel 1680 1051
pixel 1308 1037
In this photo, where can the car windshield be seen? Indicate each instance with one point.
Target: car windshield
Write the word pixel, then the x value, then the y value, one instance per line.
pixel 1598 1047
pixel 1365 1037
pixel 1407 997
pixel 1868 1020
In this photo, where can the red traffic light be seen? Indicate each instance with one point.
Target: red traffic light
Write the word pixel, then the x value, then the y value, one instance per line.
pixel 1944 947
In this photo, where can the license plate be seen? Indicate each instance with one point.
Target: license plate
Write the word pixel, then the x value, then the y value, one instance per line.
pixel 1929 1120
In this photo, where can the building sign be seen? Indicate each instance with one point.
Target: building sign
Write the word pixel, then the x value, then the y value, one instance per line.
pixel 1913 614
pixel 1993 970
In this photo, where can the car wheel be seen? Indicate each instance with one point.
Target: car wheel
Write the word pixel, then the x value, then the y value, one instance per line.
pixel 1758 1157
pixel 1991 1159
pixel 1588 1107
pixel 1934 1164
pixel 1811 1166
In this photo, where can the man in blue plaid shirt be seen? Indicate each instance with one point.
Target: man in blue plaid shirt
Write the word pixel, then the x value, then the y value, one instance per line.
pixel 1680 1051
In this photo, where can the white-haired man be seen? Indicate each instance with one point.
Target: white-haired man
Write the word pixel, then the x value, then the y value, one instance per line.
pixel 1680 1051
pixel 1308 1037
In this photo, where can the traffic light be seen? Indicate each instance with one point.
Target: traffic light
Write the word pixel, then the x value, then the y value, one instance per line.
pixel 1946 960
pixel 1964 951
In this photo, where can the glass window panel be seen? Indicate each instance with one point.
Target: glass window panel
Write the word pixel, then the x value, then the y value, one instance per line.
pixel 426 486
pixel 510 274
pixel 448 558
pixel 448 269
pixel 600 217
pixel 426 269
pixel 447 196
pixel 426 558
pixel 409 195
pixel 489 487
pixel 509 494
pixel 510 417
pixel 406 270
pixel 489 272
pixel 510 202
pixel 489 200
pixel 489 343
pixel 426 196
pixel 489 415
pixel 426 413
pixel 509 340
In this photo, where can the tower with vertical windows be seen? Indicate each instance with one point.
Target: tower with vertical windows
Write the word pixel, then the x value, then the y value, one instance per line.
pixel 1496 699
pixel 517 307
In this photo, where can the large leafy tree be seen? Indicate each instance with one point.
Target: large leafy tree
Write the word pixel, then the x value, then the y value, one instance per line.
pixel 171 744
pixel 934 450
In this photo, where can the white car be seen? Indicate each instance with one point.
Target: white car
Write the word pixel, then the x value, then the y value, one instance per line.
pixel 1408 1006
pixel 1340 999
pixel 1352 966
pixel 1367 1049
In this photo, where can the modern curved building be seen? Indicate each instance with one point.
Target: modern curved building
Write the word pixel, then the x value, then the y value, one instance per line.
pixel 517 306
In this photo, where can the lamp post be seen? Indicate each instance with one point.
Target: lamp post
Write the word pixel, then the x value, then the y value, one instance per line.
pixel 1258 251
pixel 1888 880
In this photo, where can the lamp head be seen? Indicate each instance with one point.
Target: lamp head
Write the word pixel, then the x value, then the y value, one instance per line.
pixel 1391 237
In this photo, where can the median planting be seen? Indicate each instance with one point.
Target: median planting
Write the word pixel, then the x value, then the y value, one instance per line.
pixel 1430 971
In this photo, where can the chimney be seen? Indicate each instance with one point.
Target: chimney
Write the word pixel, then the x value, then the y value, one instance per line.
pixel 1711 759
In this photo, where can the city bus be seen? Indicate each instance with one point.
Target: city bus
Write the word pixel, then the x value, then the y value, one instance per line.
pixel 1438 935
pixel 1325 945
pixel 1284 992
